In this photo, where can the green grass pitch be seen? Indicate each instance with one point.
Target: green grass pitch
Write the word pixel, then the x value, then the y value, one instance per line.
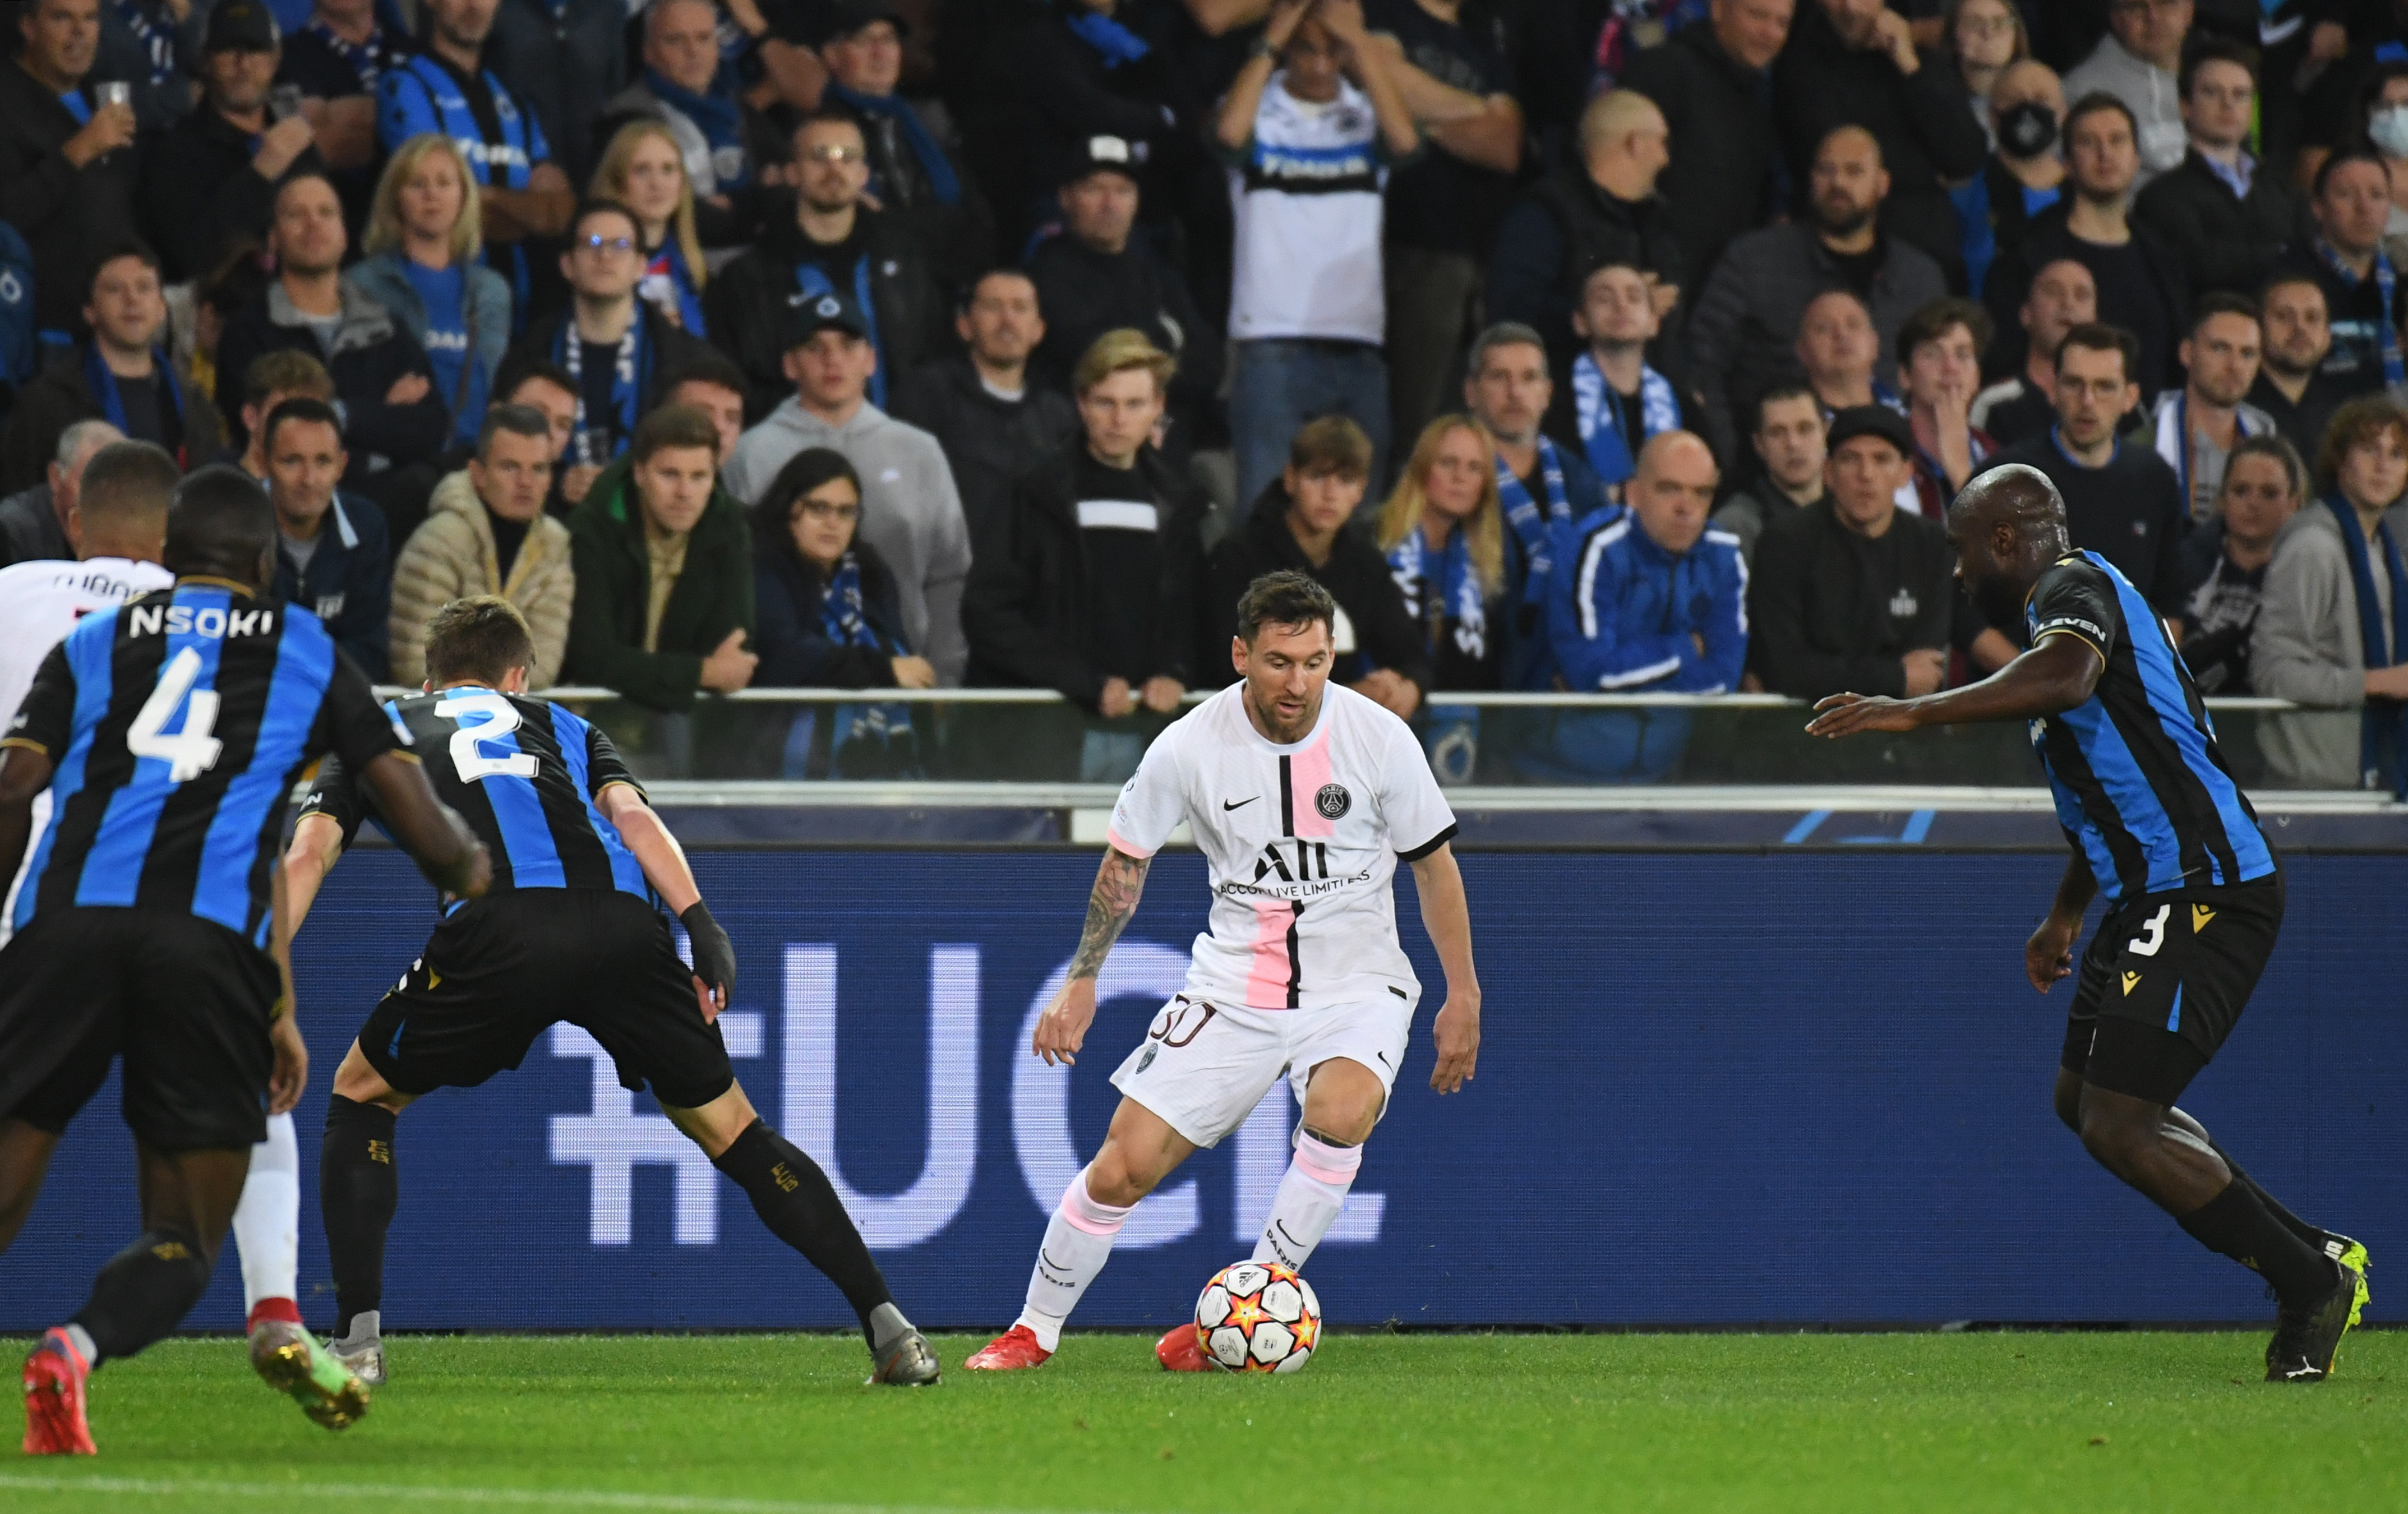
pixel 781 1425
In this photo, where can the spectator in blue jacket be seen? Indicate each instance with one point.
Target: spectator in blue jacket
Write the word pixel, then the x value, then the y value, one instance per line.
pixel 331 556
pixel 1645 600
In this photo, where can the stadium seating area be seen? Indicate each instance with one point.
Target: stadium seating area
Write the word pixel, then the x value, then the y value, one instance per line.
pixel 1631 348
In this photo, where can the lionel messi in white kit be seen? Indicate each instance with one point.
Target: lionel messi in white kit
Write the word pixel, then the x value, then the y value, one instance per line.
pixel 1303 797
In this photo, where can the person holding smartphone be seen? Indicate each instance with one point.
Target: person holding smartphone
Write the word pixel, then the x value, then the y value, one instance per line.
pixel 210 183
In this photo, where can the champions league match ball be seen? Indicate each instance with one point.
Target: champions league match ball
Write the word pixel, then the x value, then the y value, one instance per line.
pixel 1258 1317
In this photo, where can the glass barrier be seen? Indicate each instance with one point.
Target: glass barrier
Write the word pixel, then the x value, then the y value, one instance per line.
pixel 1498 740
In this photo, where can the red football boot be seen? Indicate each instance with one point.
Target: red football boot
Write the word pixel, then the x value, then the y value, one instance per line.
pixel 1182 1350
pixel 54 1378
pixel 1011 1352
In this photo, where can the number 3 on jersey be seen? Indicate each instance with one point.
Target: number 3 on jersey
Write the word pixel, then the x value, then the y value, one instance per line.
pixel 496 716
pixel 191 751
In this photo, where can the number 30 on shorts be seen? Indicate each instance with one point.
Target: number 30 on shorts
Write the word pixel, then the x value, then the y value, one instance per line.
pixel 1181 1022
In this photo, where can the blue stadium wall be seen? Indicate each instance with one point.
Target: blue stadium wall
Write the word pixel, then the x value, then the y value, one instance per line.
pixel 1716 1088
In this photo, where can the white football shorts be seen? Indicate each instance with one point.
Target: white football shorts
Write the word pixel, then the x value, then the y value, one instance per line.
pixel 1203 1067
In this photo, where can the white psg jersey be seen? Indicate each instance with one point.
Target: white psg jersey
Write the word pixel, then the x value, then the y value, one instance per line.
pixel 1303 841
pixel 41 600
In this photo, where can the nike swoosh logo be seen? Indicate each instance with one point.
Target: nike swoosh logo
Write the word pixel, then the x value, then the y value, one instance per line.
pixel 1239 803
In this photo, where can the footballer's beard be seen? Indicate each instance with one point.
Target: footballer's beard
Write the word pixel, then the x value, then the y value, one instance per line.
pixel 1283 727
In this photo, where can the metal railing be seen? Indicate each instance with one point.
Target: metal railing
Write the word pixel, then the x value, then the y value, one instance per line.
pixel 1493 741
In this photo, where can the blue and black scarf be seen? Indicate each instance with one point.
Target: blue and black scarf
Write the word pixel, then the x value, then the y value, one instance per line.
pixel 720 119
pixel 866 740
pixel 942 182
pixel 103 385
pixel 2383 739
pixel 631 375
pixel 1536 531
pixel 1598 411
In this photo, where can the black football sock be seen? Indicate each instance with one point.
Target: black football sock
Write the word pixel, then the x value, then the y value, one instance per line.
pixel 794 1199
pixel 144 1292
pixel 2312 1235
pixel 2233 1224
pixel 358 1189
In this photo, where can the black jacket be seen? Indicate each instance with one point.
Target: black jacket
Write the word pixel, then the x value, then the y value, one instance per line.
pixel 2132 512
pixel 2048 240
pixel 200 197
pixel 29 528
pixel 1828 610
pixel 1563 227
pixel 2301 424
pixel 1070 94
pixel 988 442
pixel 68 216
pixel 1928 134
pixel 795 649
pixel 1083 293
pixel 2224 243
pixel 672 350
pixel 1382 635
pixel 60 395
pixel 745 306
pixel 371 352
pixel 1724 145
pixel 563 63
pixel 1025 609
pixel 2354 365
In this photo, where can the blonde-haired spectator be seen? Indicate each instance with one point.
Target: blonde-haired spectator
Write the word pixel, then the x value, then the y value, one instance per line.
pixel 1444 533
pixel 643 170
pixel 424 235
pixel 486 532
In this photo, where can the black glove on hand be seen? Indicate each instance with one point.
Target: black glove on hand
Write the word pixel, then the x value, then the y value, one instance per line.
pixel 714 958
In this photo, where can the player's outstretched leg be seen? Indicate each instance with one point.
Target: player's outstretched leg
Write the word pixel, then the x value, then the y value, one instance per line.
pixel 1140 1150
pixel 1342 1103
pixel 2134 1140
pixel 359 1187
pixel 798 1204
pixel 267 1240
pixel 140 1294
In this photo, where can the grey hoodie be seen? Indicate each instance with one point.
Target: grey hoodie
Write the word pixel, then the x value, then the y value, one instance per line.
pixel 2307 648
pixel 909 512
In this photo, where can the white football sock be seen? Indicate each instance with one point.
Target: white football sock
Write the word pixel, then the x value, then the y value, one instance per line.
pixel 267 1223
pixel 1078 1242
pixel 1310 1196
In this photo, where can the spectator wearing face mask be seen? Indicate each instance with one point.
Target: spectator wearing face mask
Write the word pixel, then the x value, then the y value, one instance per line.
pixel 2225 216
pixel 2025 175
pixel 2385 113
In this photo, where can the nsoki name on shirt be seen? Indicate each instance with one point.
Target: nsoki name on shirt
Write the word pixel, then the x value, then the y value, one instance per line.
pixel 205 620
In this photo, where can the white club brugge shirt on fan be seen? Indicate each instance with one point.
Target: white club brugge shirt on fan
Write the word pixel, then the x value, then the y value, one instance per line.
pixel 40 601
pixel 1307 192
pixel 1302 842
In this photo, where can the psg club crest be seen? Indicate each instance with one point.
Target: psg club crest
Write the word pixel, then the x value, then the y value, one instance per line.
pixel 1333 801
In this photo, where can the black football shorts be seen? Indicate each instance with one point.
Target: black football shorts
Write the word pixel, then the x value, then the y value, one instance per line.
pixel 2164 983
pixel 183 1000
pixel 500 971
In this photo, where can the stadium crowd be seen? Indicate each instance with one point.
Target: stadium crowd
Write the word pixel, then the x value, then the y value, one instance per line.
pixel 1620 345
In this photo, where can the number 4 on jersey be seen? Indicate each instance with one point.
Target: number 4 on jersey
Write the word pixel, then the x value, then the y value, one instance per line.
pixel 191 751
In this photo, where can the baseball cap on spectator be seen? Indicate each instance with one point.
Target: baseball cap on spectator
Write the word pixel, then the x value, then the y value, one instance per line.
pixel 1107 155
pixel 842 17
pixel 1870 420
pixel 240 26
pixel 807 315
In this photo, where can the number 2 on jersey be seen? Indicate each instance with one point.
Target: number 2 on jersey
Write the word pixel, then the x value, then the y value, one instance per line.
pixel 191 751
pixel 498 718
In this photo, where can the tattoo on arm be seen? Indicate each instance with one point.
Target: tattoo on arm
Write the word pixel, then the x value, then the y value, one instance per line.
pixel 1118 884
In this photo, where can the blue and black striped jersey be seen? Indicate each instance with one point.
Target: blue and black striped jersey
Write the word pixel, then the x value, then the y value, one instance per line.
pixel 179 722
pixel 524 773
pixel 2141 787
